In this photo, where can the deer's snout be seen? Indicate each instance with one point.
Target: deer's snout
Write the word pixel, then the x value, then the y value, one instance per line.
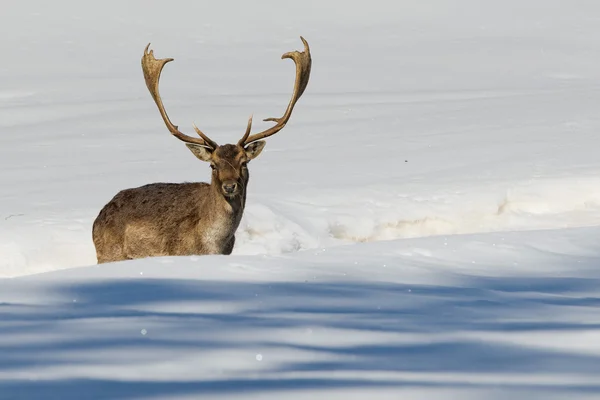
pixel 230 187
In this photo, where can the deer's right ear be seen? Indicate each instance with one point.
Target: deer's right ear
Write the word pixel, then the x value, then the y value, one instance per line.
pixel 201 152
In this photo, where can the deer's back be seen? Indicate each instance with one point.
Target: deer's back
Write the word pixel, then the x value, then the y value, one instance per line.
pixel 159 201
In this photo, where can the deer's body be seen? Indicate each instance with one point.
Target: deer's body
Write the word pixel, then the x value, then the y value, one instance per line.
pixel 163 219
pixel 178 219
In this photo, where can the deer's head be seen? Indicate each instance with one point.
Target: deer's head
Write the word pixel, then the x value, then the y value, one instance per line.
pixel 228 162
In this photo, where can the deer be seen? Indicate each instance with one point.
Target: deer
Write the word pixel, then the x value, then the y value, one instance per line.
pixel 189 218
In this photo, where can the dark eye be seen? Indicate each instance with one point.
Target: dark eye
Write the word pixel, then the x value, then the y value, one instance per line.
pixel 213 167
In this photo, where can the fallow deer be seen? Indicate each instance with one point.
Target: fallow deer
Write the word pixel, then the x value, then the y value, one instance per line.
pixel 178 219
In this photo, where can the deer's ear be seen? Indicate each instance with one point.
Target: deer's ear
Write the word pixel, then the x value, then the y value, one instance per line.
pixel 254 149
pixel 201 152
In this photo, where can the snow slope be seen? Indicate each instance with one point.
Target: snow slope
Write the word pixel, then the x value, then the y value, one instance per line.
pixel 425 226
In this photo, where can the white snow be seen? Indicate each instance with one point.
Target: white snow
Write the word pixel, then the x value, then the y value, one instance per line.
pixel 427 225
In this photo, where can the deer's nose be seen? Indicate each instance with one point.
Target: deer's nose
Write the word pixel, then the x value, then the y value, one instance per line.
pixel 229 187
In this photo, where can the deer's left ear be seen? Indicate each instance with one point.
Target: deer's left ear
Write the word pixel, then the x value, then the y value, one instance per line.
pixel 254 149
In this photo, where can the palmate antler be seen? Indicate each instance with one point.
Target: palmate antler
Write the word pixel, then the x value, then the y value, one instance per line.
pixel 303 63
pixel 152 69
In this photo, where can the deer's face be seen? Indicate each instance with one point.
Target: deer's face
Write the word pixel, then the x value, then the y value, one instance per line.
pixel 229 164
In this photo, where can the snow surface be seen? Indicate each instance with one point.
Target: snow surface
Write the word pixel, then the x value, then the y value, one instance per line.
pixel 425 227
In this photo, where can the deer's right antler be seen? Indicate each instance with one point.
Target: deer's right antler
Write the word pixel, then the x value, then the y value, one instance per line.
pixel 152 69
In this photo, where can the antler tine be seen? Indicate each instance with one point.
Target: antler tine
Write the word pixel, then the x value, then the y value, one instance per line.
pixel 247 133
pixel 152 69
pixel 208 140
pixel 303 63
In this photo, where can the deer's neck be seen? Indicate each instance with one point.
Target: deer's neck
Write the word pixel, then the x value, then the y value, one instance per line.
pixel 226 212
pixel 231 206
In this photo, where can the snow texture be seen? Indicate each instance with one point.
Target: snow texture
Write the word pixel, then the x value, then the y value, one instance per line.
pixel 427 225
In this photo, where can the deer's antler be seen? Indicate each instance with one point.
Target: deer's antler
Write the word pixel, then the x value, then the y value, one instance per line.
pixel 152 69
pixel 303 63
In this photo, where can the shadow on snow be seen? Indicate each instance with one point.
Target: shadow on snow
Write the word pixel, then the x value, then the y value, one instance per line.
pixel 479 305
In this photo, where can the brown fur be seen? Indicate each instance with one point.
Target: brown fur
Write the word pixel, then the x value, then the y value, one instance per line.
pixel 163 219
